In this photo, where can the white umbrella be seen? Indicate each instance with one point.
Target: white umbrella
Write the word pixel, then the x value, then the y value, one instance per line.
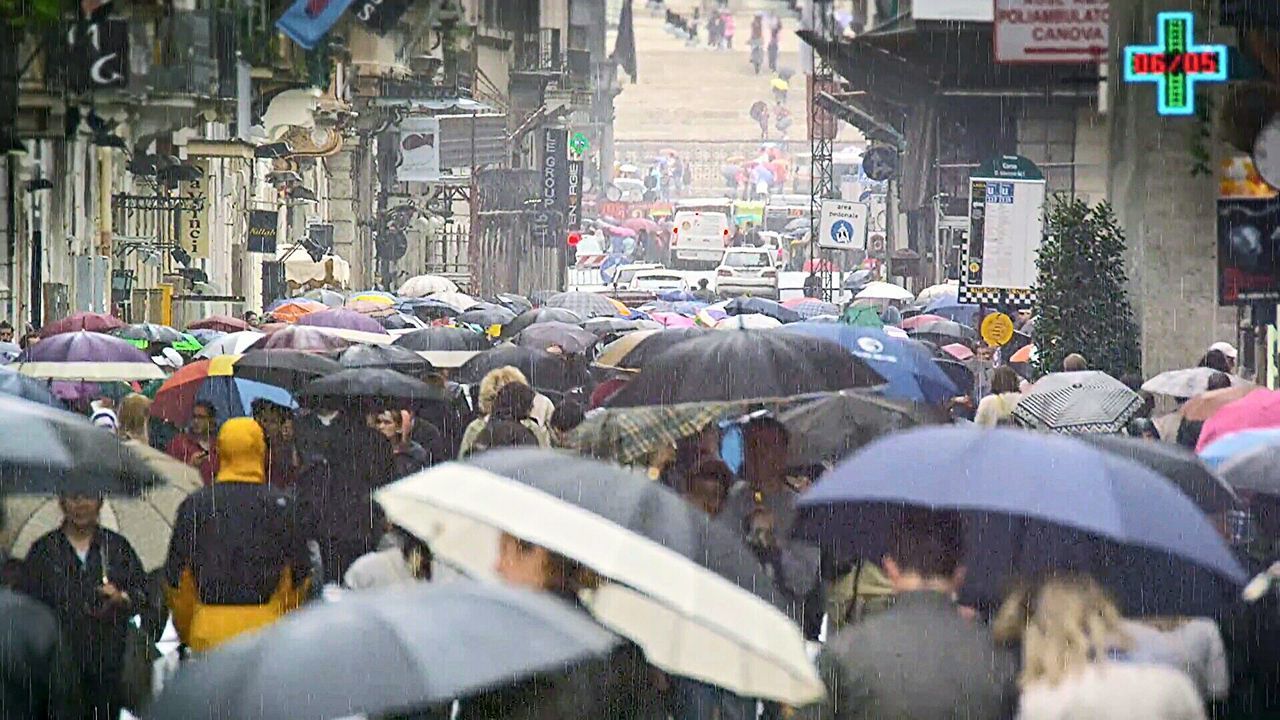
pixel 1186 383
pixel 934 292
pixel 456 300
pixel 91 371
pixel 749 321
pixel 424 285
pixel 145 521
pixel 877 290
pixel 689 620
pixel 236 343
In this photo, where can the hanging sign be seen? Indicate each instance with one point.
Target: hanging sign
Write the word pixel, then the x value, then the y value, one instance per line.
pixel 419 149
pixel 380 16
pixel 1052 31
pixel 1175 63
pixel 1006 205
pixel 573 209
pixel 554 179
pixel 98 54
pixel 263 226
pixel 195 222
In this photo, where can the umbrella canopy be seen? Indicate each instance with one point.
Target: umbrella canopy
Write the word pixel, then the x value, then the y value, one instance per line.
pixel 584 304
pixel 327 297
pixel 762 306
pixel 1089 401
pixel 369 385
pixel 1024 354
pixel 1258 409
pixel 933 292
pixel 644 349
pixel 541 315
pixel 377 297
pixel 958 372
pixel 1032 503
pixel 1186 383
pixel 951 310
pixel 224 323
pixel 1229 447
pixel 861 316
pixel 344 319
pixel 388 357
pixel 944 332
pixel 46 450
pixel 312 339
pixel 515 303
pixel 486 315
pixel 808 308
pixel 148 333
pixel 145 521
pixel 461 301
pixel 754 321
pixel 424 285
pixel 427 309
pixel 176 397
pixel 204 336
pixel 92 322
pixel 294 309
pixel 1206 405
pixel 916 321
pixel 542 369
pixel 742 365
pixel 85 355
pixel 641 223
pixel 375 310
pixel 958 351
pixel 908 366
pixel 15 384
pixel 288 369
pixel 605 326
pixel 389 653
pixel 1178 465
pixel 1257 470
pixel 544 336
pixel 829 428
pixel 443 338
pixel 672 320
pixel 235 343
pixel 877 290
pixel 667 567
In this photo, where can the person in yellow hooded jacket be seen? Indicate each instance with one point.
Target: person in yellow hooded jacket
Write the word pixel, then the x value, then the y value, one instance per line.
pixel 237 559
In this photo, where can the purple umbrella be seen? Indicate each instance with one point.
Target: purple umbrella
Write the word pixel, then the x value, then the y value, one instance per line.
pixel 84 355
pixel 343 319
pixel 303 338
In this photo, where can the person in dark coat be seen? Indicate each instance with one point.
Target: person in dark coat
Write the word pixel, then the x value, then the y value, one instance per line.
pixel 408 455
pixel 94 582
pixel 38 680
pixel 921 658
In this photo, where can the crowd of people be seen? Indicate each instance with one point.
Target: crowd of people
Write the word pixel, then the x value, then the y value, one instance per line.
pixel 285 518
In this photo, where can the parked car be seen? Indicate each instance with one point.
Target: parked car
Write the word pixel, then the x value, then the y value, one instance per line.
pixel 659 280
pixel 748 271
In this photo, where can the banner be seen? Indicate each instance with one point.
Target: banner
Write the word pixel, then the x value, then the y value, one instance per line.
pixel 195 223
pixel 306 22
pixel 380 15
pixel 554 179
pixel 263 225
pixel 573 213
pixel 419 150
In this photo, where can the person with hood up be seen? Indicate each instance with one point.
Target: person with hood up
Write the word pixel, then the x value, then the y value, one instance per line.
pixel 237 560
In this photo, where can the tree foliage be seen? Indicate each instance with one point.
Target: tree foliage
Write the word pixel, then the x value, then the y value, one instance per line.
pixel 30 12
pixel 1082 301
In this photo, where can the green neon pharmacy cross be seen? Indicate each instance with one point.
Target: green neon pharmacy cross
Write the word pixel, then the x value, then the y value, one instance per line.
pixel 1175 63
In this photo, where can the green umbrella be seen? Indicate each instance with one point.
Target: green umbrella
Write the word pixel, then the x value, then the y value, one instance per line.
pixel 862 316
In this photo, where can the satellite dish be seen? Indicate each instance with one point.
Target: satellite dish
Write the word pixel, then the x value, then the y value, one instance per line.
pixel 1266 152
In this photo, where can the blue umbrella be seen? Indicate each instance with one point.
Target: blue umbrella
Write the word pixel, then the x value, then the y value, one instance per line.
pixel 27 388
pixel 1238 443
pixel 1032 503
pixel 951 309
pixel 674 296
pixel 233 396
pixel 761 306
pixel 907 365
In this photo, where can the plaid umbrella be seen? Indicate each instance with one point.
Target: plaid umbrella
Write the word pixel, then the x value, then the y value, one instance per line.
pixel 584 304
pixel 811 308
pixel 1077 403
pixel 629 435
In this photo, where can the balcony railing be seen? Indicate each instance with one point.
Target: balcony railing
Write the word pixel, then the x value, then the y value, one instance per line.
pixel 539 52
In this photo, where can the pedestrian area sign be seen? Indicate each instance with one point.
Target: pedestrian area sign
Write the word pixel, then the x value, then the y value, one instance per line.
pixel 843 226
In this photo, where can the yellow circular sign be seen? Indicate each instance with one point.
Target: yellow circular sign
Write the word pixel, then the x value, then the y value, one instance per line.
pixel 997 329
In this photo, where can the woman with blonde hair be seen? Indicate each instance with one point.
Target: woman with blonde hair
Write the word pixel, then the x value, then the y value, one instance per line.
pixel 1075 658
pixel 491 389
pixel 134 417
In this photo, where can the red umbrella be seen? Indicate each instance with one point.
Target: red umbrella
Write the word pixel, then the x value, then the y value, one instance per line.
pixel 93 322
pixel 916 320
pixel 221 323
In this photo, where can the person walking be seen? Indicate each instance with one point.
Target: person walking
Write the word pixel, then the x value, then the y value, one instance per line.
pixel 408 455
pixel 920 658
pixel 1077 662
pixel 508 423
pixel 997 407
pixel 237 559
pixel 197 445
pixel 775 33
pixel 729 29
pixel 94 582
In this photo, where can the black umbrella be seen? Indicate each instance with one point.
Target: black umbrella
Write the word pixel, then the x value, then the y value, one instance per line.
pixel 542 336
pixel 515 303
pixel 486 314
pixel 543 370
pixel 443 338
pixel 398 321
pixel 369 386
pixel 537 315
pixel 831 427
pixel 1255 471
pixel 658 343
pixel 387 653
pixel 666 563
pixel 1180 466
pixel 762 306
pixel 603 326
pixel 945 332
pixel 46 450
pixel 958 373
pixel 289 369
pixel 388 357
pixel 744 364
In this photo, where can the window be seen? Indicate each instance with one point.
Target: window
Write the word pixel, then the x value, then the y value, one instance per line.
pixel 747 260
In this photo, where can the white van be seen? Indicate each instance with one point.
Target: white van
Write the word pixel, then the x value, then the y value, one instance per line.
pixel 700 231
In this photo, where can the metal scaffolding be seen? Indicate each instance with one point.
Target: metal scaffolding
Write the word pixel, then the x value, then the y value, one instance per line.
pixel 822 135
